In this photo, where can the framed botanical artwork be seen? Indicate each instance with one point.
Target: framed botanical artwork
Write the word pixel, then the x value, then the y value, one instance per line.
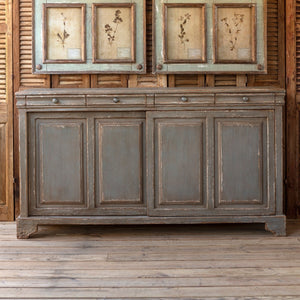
pixel 184 32
pixel 209 36
pixel 114 32
pixel 235 33
pixel 63 33
pixel 89 36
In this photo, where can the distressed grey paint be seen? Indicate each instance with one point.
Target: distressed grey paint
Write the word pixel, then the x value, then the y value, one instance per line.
pixel 179 162
pixel 60 163
pixel 206 162
pixel 241 156
pixel 57 163
pixel 119 162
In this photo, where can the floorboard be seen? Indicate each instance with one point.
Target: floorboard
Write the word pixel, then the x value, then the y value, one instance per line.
pixel 213 262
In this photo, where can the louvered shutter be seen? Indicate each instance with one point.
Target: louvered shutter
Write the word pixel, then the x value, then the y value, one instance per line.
pixel 26 78
pixel 6 114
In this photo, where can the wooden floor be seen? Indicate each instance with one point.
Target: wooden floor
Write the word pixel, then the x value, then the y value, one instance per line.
pixel 151 262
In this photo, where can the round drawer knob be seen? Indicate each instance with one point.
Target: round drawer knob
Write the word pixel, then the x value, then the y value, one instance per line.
pixel 39 67
pixel 139 67
pixel 159 67
pixel 245 99
pixel 184 99
pixel 55 100
pixel 260 67
pixel 116 100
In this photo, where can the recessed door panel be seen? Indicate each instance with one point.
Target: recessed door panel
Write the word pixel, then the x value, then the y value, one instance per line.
pixel 58 165
pixel 179 164
pixel 243 163
pixel 119 163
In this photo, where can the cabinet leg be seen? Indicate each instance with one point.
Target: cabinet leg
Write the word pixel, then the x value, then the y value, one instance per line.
pixel 25 228
pixel 276 225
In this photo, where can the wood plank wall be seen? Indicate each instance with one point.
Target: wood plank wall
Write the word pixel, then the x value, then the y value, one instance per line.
pixel 6 113
pixel 24 79
pixel 292 106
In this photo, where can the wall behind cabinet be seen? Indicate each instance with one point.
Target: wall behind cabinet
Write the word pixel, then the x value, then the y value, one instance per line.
pixel 292 106
pixel 24 79
pixel 6 113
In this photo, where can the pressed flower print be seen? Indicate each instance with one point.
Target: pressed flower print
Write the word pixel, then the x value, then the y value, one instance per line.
pixel 185 33
pixel 64 33
pixel 114 33
pixel 234 34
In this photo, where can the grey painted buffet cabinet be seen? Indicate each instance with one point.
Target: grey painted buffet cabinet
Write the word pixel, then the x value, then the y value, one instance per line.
pixel 151 156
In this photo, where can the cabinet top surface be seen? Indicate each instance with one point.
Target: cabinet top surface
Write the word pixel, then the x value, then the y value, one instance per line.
pixel 150 98
pixel 138 91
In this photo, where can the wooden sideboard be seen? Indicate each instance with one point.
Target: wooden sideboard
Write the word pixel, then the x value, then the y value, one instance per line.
pixel 151 156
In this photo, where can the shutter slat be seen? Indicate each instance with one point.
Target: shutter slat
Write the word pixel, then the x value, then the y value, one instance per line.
pixel 27 79
pixel 298 45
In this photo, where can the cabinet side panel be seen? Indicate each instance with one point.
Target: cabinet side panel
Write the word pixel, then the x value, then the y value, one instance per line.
pixel 2 164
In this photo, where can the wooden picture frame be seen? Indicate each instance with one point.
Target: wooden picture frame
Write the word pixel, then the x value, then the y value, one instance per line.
pixel 184 32
pixel 234 33
pixel 250 58
pixel 64 41
pixel 116 42
pixel 84 58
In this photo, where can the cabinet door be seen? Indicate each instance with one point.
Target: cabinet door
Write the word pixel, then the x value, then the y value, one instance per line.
pixel 177 163
pixel 119 186
pixel 57 164
pixel 244 163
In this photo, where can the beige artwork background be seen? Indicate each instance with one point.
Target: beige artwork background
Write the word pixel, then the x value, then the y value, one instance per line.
pixel 228 22
pixel 121 47
pixel 72 46
pixel 191 45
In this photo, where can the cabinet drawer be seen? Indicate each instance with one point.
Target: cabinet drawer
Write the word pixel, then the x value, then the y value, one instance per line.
pixel 55 100
pixel 184 99
pixel 245 99
pixel 117 100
